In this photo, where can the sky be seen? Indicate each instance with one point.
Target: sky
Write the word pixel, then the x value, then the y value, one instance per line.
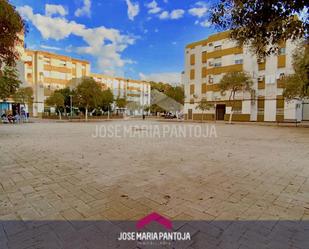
pixel 126 38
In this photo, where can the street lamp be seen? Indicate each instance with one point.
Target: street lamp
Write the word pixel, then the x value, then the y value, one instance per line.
pixel 71 103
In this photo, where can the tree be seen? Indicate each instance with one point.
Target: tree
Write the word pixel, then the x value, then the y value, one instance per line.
pixel 9 82
pixel 56 100
pixel 67 93
pixel 107 98
pixel 88 94
pixel 121 103
pixel 174 92
pixel 297 84
pixel 133 106
pixel 204 105
pixel 161 87
pixel 177 93
pixel 235 82
pixel 154 108
pixel 11 26
pixel 263 24
pixel 24 95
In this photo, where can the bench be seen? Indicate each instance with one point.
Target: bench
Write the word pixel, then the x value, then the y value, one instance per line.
pixel 289 121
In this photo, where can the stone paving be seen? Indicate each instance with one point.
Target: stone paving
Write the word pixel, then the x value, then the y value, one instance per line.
pixel 58 171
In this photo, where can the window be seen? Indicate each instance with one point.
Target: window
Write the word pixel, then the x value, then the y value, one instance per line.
pixel 61 76
pixel 210 63
pixel 210 79
pixel 192 89
pixel 218 47
pixel 210 44
pixel 282 51
pixel 204 57
pixel 192 74
pixel 47 74
pixel 46 60
pixel 192 59
pixel 204 72
pixel 218 64
pixel 239 61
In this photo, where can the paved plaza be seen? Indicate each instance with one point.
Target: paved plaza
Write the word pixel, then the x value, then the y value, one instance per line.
pixel 59 171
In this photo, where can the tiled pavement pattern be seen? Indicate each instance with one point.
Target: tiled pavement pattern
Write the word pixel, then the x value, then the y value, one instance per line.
pixel 57 171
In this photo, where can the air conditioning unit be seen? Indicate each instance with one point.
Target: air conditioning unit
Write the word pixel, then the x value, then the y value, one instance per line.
pixel 260 78
pixel 260 60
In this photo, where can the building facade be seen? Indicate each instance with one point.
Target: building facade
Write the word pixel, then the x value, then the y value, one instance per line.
pixel 134 91
pixel 46 72
pixel 208 60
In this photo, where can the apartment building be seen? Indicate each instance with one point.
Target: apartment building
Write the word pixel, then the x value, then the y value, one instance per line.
pixel 46 72
pixel 208 60
pixel 135 91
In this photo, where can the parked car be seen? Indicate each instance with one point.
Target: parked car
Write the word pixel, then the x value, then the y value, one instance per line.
pixel 169 115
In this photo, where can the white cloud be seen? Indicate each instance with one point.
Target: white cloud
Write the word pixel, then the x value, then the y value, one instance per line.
pixel 133 9
pixel 164 15
pixel 85 10
pixel 51 9
pixel 153 7
pixel 200 10
pixel 104 44
pixel 168 77
pixel 205 24
pixel 177 14
pixel 50 47
pixel 174 14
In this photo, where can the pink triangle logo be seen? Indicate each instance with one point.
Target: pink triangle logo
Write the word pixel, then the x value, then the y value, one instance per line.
pixel 154 217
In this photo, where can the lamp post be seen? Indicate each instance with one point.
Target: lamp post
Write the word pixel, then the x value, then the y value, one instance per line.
pixel 71 103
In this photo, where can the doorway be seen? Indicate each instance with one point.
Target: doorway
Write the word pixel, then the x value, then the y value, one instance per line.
pixel 220 112
pixel 190 115
pixel 306 111
pixel 16 109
